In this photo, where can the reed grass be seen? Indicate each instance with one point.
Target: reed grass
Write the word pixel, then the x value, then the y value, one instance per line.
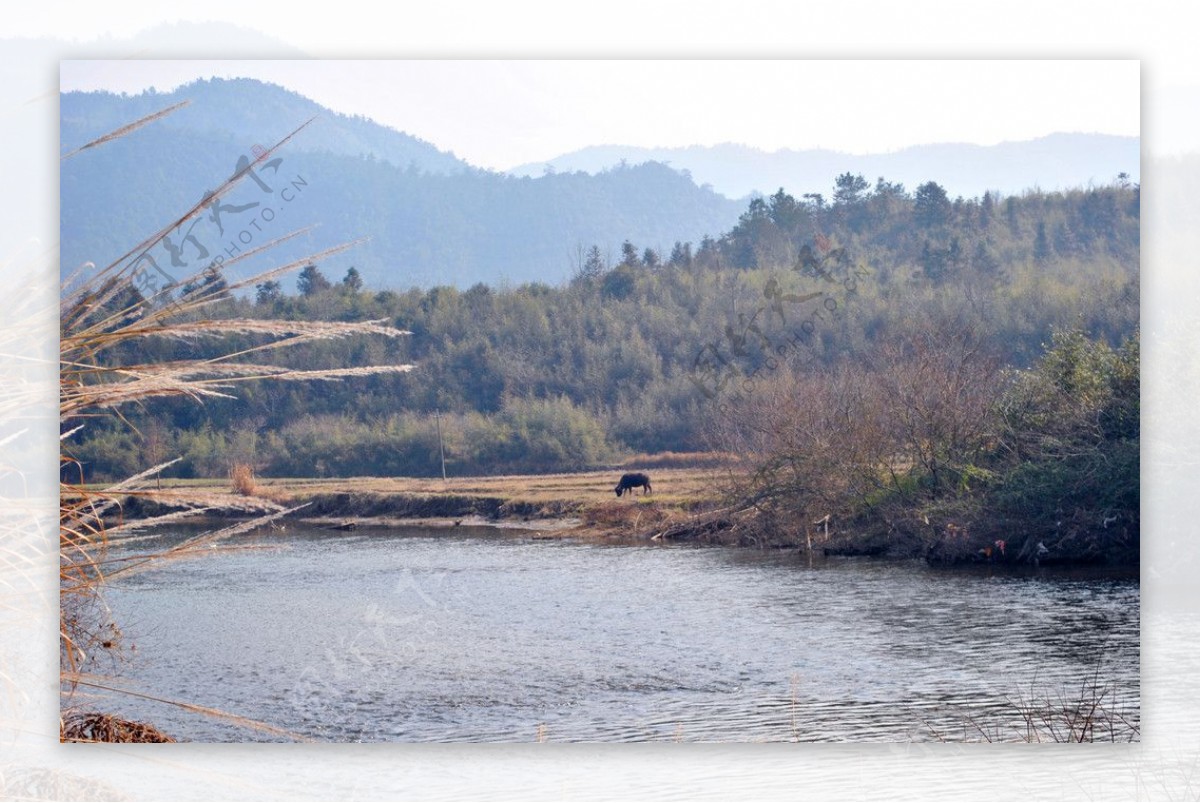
pixel 1095 711
pixel 101 311
pixel 241 476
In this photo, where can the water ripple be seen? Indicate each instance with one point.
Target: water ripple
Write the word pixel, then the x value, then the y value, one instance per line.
pixel 421 636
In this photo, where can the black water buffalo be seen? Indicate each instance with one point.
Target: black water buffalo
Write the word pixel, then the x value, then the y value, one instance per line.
pixel 630 481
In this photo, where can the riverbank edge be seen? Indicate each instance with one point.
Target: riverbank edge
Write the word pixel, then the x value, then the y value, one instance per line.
pixel 696 518
pixel 347 511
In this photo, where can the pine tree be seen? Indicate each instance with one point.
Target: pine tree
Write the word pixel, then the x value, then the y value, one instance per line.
pixel 268 293
pixel 932 206
pixel 353 281
pixel 1041 245
pixel 681 255
pixel 593 266
pixel 629 254
pixel 849 189
pixel 987 210
pixel 311 281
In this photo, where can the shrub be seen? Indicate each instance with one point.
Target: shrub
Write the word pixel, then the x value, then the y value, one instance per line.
pixel 241 476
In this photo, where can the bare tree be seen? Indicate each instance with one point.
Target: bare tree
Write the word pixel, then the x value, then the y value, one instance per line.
pixel 906 425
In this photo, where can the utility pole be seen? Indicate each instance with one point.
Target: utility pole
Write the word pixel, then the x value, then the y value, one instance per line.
pixel 438 413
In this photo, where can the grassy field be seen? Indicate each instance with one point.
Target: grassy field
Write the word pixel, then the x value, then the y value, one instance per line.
pixel 670 485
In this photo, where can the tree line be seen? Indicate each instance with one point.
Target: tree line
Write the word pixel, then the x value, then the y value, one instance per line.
pixel 551 377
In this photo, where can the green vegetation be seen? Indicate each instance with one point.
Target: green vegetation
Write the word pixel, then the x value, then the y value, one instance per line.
pixel 933 448
pixel 1071 439
pixel 537 378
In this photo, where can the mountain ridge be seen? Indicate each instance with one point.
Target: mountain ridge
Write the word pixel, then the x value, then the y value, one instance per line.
pixel 268 112
pixel 1060 160
pixel 429 219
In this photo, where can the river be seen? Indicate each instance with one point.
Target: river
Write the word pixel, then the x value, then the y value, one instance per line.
pixel 477 634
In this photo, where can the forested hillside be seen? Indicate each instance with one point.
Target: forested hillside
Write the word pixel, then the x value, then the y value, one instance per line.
pixel 249 111
pixel 429 218
pixel 645 351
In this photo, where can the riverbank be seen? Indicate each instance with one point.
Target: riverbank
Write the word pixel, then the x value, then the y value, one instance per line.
pixel 686 505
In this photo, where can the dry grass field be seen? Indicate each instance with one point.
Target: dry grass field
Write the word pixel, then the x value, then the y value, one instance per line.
pixel 675 486
pixel 580 504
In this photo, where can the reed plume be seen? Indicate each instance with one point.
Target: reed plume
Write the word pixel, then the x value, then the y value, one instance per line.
pixel 102 310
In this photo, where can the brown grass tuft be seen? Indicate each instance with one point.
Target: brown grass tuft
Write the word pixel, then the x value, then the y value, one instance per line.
pixel 242 477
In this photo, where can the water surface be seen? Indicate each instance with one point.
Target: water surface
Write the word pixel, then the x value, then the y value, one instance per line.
pixel 472 634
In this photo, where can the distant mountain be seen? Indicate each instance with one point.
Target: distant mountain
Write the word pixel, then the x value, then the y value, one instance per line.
pixel 1056 161
pixel 430 218
pixel 250 112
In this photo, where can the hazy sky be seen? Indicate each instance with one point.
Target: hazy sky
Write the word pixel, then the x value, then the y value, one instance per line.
pixel 498 114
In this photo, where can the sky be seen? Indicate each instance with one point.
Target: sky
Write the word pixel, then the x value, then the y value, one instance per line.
pixel 498 114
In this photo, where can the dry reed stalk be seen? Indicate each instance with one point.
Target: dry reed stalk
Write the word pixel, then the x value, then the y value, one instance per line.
pixel 108 309
pixel 104 684
pixel 128 128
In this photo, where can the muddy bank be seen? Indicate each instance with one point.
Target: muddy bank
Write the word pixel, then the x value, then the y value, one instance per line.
pixel 447 507
pixel 566 512
pixel 348 523
pixel 351 511
pixel 944 544
pixel 581 506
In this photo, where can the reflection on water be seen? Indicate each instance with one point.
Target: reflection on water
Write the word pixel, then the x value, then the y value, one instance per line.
pixel 478 635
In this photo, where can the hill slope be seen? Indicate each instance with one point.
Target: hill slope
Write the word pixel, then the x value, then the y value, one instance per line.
pixel 431 219
pixel 250 112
